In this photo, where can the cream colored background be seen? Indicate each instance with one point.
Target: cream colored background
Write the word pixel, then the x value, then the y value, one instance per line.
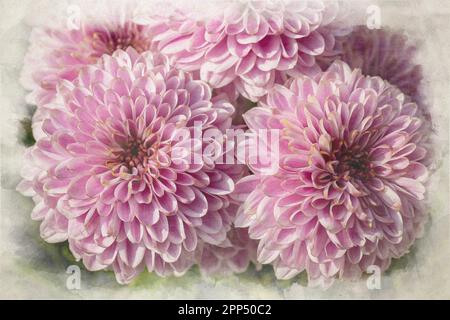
pixel 29 269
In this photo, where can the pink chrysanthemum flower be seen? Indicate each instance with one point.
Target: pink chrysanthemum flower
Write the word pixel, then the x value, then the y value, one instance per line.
pixel 116 175
pixel 59 50
pixel 348 190
pixel 234 255
pixel 250 45
pixel 382 53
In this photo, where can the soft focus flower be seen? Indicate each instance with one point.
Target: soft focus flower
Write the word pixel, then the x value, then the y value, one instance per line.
pixel 114 174
pixel 382 53
pixel 250 45
pixel 59 50
pixel 348 191
pixel 234 255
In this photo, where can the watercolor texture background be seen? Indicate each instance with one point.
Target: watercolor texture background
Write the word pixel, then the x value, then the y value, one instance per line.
pixel 32 269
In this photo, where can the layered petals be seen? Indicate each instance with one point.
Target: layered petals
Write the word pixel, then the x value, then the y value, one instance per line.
pixel 59 51
pixel 344 197
pixel 118 172
pixel 250 45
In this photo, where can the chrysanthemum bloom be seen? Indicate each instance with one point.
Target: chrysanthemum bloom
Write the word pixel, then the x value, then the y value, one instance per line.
pixel 234 255
pixel 117 175
pixel 250 45
pixel 58 51
pixel 382 53
pixel 348 191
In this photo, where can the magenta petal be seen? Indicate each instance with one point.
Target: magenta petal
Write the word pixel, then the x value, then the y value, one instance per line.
pixel 124 211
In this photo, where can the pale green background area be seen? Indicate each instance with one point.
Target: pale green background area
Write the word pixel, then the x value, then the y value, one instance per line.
pixel 31 269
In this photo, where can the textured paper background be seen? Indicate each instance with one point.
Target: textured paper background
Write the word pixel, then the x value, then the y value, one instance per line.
pixel 31 269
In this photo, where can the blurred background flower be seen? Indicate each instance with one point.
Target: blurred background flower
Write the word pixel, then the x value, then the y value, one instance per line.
pixel 59 49
pixel 234 255
pixel 385 53
pixel 250 45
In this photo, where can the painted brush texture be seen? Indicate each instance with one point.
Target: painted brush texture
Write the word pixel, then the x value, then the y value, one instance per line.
pixel 31 268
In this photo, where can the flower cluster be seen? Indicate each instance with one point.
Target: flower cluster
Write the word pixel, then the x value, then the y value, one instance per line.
pixel 135 168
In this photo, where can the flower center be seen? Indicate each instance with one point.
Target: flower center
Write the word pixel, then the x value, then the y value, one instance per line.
pixel 136 155
pixel 349 163
pixel 353 165
pixel 105 41
pixel 139 156
pixel 120 41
